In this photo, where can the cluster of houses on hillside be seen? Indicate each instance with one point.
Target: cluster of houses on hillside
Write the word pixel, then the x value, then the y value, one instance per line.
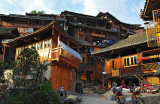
pixel 81 47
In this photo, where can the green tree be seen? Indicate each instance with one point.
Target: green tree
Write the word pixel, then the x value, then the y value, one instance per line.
pixel 33 90
pixel 37 12
pixel 29 71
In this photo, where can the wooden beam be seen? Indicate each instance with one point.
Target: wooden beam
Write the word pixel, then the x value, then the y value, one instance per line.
pixel 25 40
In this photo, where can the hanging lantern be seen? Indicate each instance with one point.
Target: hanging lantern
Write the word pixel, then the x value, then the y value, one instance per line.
pixel 92 76
pixel 83 76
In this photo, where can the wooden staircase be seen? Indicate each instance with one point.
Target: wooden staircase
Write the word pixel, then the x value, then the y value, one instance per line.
pixel 141 79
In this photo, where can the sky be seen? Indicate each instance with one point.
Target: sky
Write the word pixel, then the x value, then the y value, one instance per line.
pixel 125 10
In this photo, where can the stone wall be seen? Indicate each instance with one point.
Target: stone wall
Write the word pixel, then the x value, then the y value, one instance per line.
pixel 151 99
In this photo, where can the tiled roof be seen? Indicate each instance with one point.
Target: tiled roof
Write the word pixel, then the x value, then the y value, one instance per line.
pixel 11 32
pixel 37 32
pixel 132 40
pixel 91 27
pixel 82 42
pixel 35 17
pixel 114 18
pixel 146 13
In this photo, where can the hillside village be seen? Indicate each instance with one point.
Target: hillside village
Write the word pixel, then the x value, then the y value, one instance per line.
pixel 87 54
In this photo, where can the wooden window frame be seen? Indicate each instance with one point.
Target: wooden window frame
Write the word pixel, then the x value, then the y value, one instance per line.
pixel 41 45
pixel 49 43
pixel 112 64
pixel 38 46
pixel 45 44
pixel 126 64
pixel 85 61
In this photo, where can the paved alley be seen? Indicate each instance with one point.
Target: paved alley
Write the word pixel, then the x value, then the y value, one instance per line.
pixel 92 98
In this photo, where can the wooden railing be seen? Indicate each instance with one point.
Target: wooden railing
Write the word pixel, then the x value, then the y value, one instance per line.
pixel 152 36
pixel 98 35
pixel 65 54
pixel 55 54
pixel 153 30
pixel 131 70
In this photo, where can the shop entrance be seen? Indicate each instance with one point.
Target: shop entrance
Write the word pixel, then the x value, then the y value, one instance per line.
pixel 131 81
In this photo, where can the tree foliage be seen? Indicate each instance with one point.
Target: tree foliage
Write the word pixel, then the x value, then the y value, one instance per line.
pixel 37 12
pixel 29 83
pixel 29 72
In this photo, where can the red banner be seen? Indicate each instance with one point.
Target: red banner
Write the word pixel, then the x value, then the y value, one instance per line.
pixel 143 58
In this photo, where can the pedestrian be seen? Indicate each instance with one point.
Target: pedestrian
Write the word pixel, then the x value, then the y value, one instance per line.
pixel 82 86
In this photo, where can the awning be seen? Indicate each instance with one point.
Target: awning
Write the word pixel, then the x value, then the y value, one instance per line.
pixel 70 50
pixel 150 67
pixel 158 71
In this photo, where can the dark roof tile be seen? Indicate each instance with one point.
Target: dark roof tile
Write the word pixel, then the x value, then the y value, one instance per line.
pixel 130 41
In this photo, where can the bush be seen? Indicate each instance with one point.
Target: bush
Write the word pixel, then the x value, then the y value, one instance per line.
pixel 40 97
pixel 20 98
pixel 47 87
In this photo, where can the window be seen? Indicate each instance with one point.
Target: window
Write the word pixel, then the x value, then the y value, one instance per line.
pixel 115 29
pixel 83 59
pixel 86 38
pixel 135 60
pixel 21 30
pixel 112 64
pixel 38 46
pixel 48 43
pixel 34 45
pixel 91 49
pixel 18 51
pixel 45 44
pixel 130 61
pixel 41 45
pixel 30 29
pixel 125 64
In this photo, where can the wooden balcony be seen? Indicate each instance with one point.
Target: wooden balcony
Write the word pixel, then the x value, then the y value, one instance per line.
pixel 98 35
pixel 153 29
pixel 62 56
pixel 131 70
pixel 152 36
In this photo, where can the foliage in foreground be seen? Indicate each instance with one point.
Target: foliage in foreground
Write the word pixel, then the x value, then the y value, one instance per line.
pixel 43 96
pixel 30 86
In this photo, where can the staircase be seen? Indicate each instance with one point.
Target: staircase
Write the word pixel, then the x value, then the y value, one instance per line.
pixel 140 78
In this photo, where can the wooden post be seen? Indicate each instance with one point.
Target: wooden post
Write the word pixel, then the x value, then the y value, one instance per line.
pixel 4 52
pixel 120 70
pixel 58 46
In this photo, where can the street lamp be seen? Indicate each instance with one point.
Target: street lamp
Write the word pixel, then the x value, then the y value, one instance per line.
pixel 103 74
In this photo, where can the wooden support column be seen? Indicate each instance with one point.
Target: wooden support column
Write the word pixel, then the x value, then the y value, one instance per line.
pixel 120 70
pixel 58 46
pixel 4 52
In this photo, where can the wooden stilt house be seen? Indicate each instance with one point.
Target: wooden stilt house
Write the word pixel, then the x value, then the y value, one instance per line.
pixel 54 45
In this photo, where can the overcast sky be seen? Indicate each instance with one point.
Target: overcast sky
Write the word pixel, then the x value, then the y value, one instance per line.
pixel 125 10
